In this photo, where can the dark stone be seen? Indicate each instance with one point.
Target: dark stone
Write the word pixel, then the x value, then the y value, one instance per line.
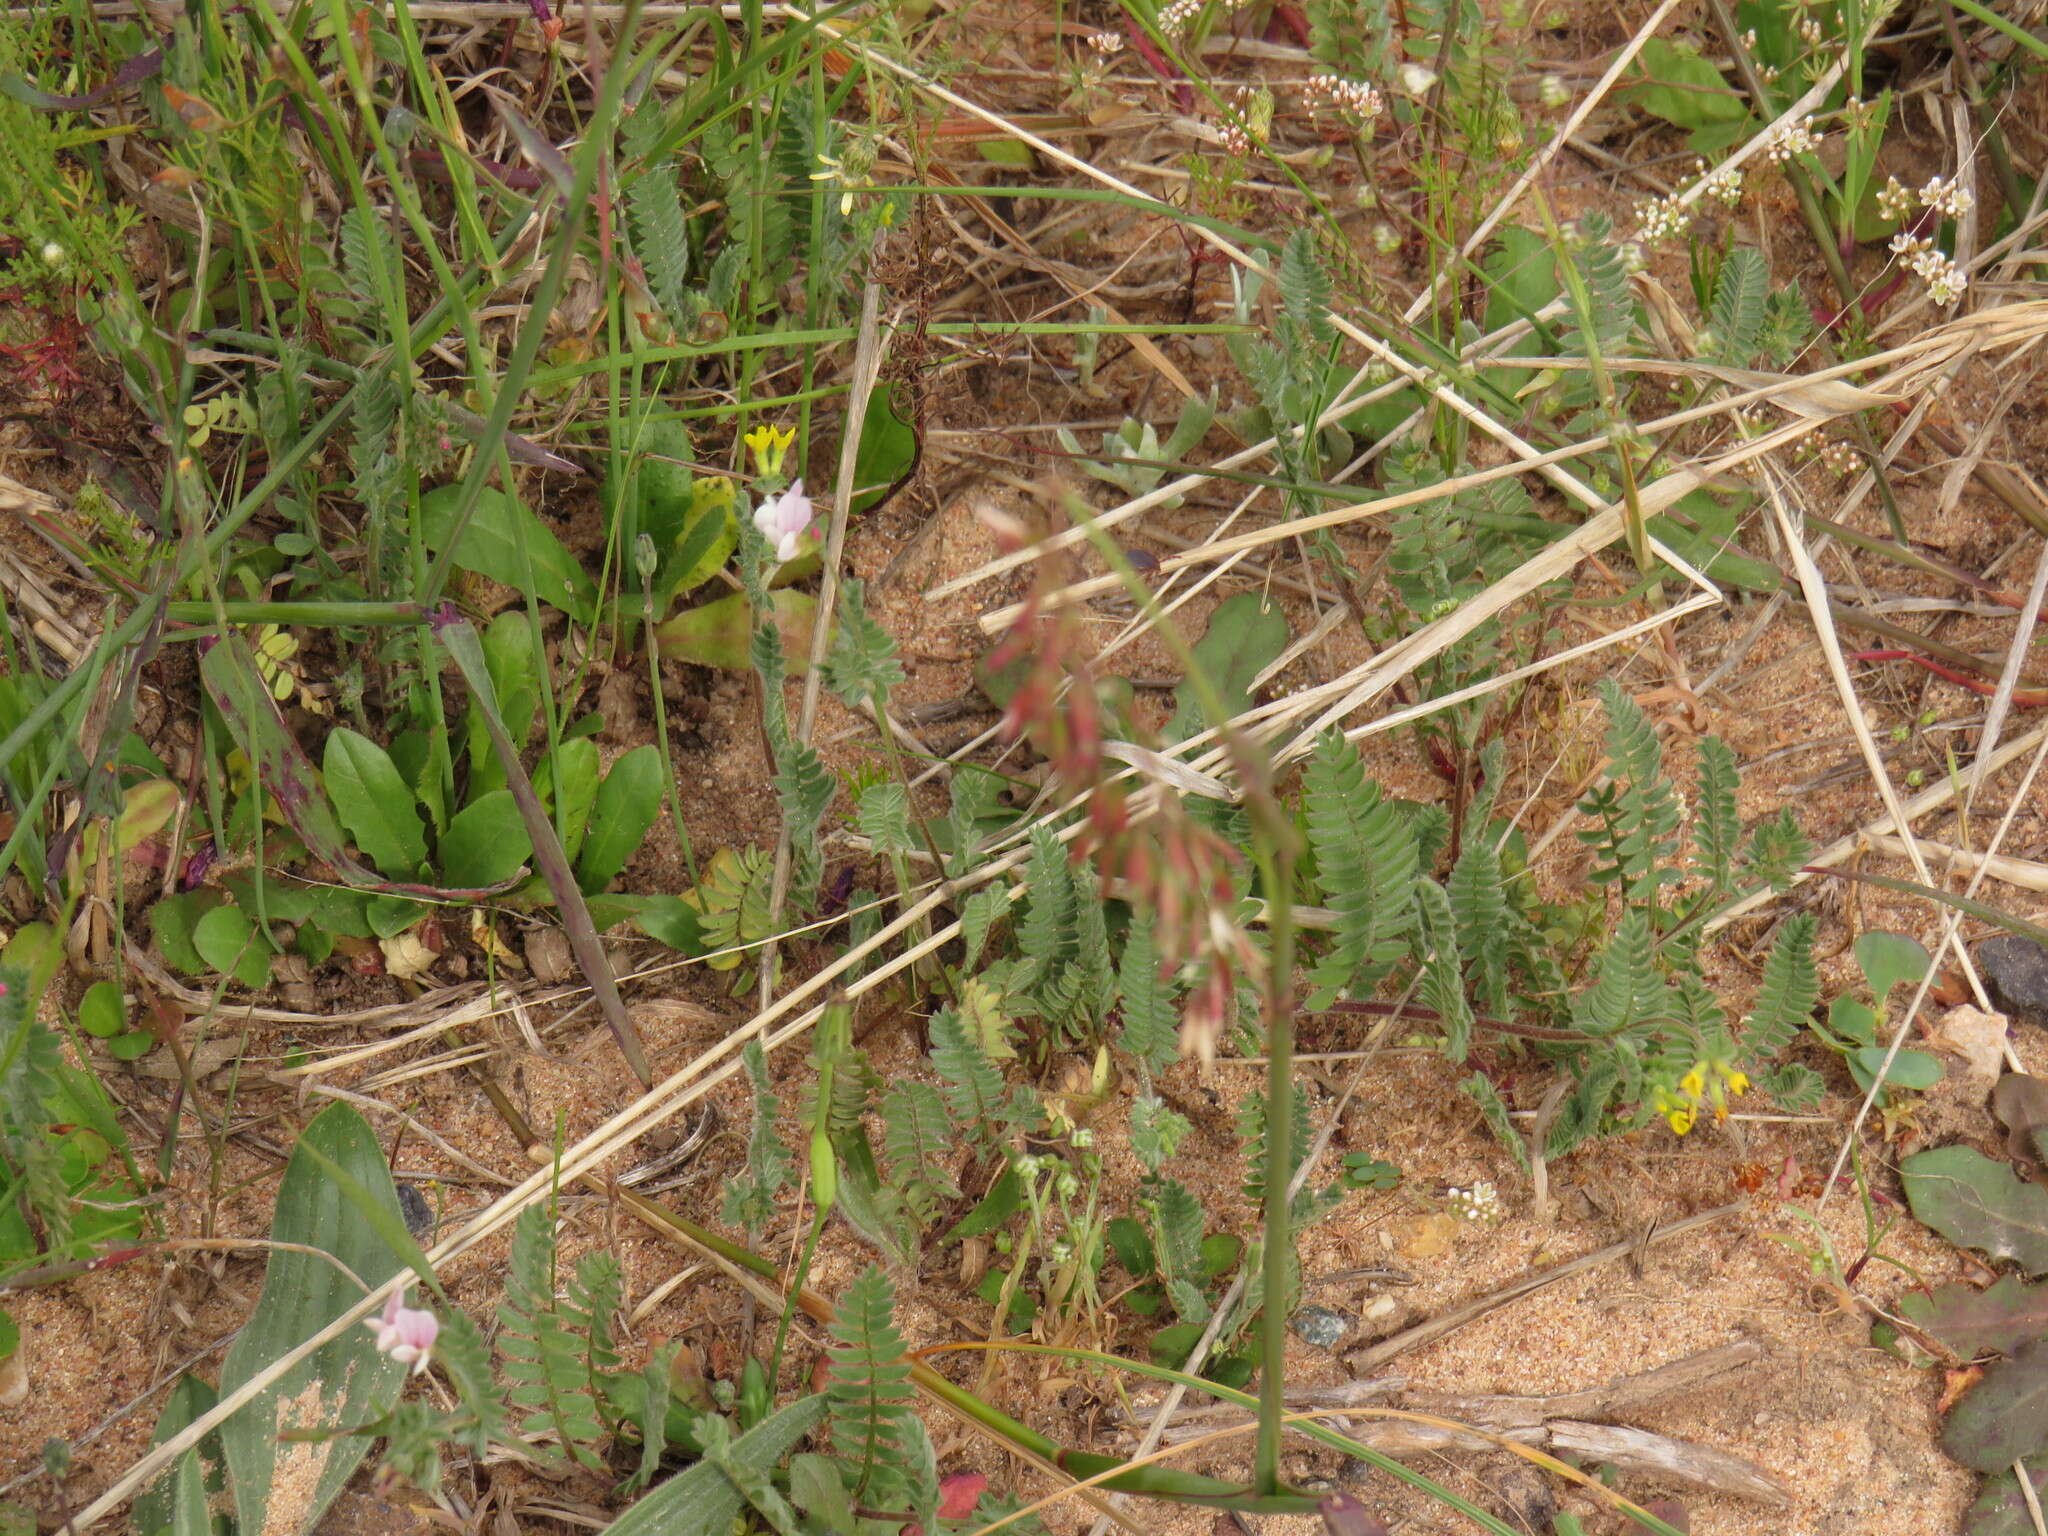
pixel 419 1216
pixel 1322 1327
pixel 2016 974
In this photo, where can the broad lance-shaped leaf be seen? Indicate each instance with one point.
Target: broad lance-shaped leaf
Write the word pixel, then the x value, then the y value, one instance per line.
pixel 2004 1418
pixel 282 1485
pixel 1246 634
pixel 236 687
pixel 508 543
pixel 1977 1203
pixel 1997 1321
pixel 628 804
pixel 374 802
pixel 704 1500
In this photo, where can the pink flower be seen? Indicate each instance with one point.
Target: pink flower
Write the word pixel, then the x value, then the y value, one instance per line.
pixel 783 520
pixel 406 1335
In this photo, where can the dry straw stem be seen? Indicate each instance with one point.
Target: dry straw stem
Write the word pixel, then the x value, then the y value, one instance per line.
pixel 2022 874
pixel 1932 798
pixel 1624 57
pixel 2008 680
pixel 1811 582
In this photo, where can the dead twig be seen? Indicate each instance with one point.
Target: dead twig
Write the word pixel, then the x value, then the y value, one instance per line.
pixel 1428 1332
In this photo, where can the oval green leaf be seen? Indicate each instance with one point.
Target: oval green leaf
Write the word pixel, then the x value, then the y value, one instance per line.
pixel 100 1010
pixel 486 842
pixel 374 803
pixel 227 941
pixel 626 807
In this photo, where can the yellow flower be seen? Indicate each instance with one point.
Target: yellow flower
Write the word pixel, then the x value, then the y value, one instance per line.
pixel 1738 1083
pixel 1693 1084
pixel 769 446
pixel 1681 1119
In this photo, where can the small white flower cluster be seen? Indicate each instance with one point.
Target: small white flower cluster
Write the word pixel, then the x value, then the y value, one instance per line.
pixel 1839 455
pixel 1723 184
pixel 1240 134
pixel 1948 198
pixel 1107 44
pixel 1176 17
pixel 1944 279
pixel 1811 32
pixel 1793 139
pixel 1479 1203
pixel 1357 97
pixel 1663 218
pixel 1894 200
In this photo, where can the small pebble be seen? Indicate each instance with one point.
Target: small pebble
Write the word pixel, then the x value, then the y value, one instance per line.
pixel 2016 974
pixel 1322 1327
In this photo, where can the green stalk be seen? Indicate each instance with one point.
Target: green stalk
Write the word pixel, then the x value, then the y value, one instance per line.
pixel 547 293
pixel 675 798
pixel 1802 185
pixel 1274 854
pixel 1998 23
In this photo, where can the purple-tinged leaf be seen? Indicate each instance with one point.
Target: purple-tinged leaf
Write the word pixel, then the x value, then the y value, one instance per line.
pixel 2001 1509
pixel 137 69
pixel 2003 1418
pixel 1977 1203
pixel 1972 1322
pixel 544 155
pixel 1345 1515
pixel 2021 1104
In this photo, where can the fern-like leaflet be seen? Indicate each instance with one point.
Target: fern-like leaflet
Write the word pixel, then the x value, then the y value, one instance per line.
pixel 654 217
pixel 1151 1022
pixel 1789 994
pixel 1365 862
pixel 545 1368
pixel 872 1426
pixel 750 1197
pixel 35 1057
pixel 917 1143
pixel 1636 840
pixel 1741 295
